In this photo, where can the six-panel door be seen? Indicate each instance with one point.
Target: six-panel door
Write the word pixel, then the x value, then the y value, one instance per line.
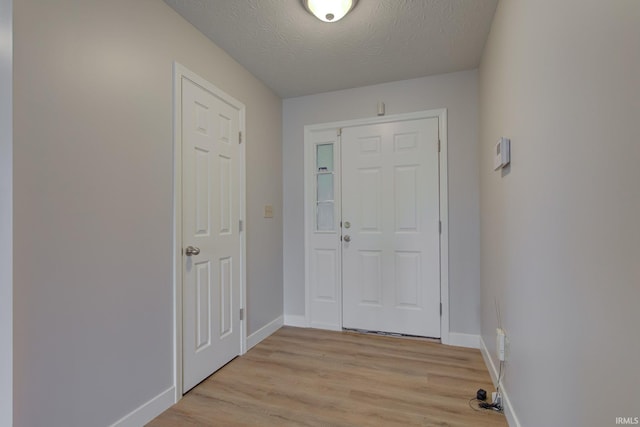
pixel 211 278
pixel 390 227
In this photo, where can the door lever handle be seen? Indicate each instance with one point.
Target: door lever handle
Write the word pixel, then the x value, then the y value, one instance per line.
pixel 190 250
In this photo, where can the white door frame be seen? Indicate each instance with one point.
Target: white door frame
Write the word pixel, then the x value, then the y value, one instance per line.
pixel 441 115
pixel 179 73
pixel 6 213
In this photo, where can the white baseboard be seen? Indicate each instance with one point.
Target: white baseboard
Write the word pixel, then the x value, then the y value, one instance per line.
pixel 464 340
pixel 264 332
pixel 295 320
pixel 509 413
pixel 148 411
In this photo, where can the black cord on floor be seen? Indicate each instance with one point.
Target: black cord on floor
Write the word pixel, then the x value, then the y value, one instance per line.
pixel 484 406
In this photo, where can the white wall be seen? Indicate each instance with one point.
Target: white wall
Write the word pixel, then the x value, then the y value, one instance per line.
pixel 458 93
pixel 93 203
pixel 560 238
pixel 6 213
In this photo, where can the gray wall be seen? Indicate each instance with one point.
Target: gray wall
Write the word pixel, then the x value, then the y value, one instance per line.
pixel 560 238
pixel 6 226
pixel 93 203
pixel 458 93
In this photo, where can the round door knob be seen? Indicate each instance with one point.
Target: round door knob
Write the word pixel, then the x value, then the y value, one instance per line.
pixel 190 250
pixel 347 238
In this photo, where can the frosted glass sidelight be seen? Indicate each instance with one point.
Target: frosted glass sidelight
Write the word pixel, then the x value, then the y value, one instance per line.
pixel 324 157
pixel 324 218
pixel 325 187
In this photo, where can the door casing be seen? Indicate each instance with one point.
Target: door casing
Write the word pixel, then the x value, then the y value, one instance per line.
pixel 179 73
pixel 309 131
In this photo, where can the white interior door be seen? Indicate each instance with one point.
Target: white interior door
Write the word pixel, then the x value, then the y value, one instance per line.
pixel 390 227
pixel 210 233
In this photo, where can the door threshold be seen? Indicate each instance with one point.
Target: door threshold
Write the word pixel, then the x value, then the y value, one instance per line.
pixel 392 334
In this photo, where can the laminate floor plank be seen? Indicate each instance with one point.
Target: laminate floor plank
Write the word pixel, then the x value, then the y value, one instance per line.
pixel 310 377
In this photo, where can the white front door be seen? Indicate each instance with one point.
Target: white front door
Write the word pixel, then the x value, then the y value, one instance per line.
pixel 390 227
pixel 210 233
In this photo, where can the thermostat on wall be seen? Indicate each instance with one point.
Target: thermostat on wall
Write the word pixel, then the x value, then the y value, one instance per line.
pixel 502 153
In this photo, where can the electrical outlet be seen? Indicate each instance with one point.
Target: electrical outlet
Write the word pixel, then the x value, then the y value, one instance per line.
pixel 496 398
pixel 501 344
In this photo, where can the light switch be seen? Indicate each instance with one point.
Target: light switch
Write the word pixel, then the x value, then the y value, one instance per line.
pixel 268 211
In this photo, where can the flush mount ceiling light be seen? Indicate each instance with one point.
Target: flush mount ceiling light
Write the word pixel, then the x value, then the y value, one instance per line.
pixel 329 10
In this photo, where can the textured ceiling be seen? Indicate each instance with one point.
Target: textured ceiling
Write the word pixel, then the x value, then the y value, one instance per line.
pixel 379 41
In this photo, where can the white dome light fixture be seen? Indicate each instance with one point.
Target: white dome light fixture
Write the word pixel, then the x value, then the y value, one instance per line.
pixel 329 10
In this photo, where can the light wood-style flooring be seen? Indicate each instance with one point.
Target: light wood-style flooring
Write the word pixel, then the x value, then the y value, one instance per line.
pixel 310 377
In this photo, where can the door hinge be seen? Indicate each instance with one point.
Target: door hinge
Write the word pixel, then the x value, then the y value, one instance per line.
pixel 339 131
pixel 239 137
pixel 242 314
pixel 440 227
pixel 239 225
pixel 438 146
pixel 440 309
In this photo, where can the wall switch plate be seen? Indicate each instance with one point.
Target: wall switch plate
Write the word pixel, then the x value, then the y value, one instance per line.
pixel 502 153
pixel 268 211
